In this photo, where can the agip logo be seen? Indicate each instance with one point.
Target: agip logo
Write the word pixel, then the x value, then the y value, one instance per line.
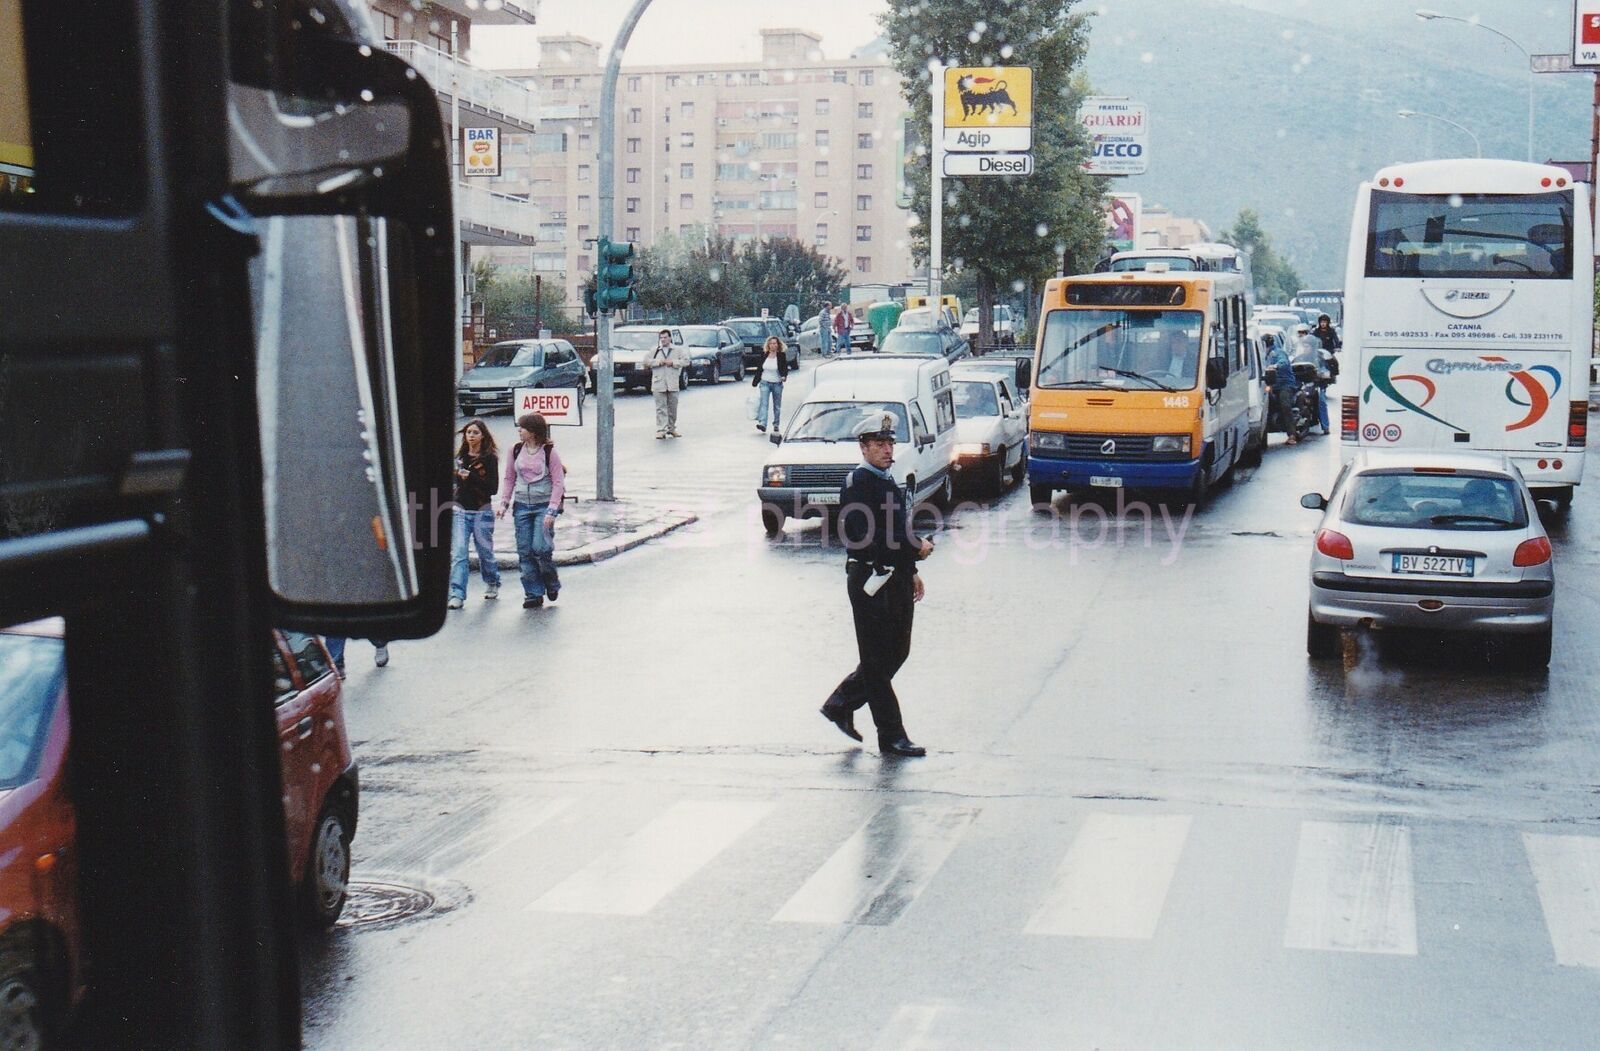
pixel 988 109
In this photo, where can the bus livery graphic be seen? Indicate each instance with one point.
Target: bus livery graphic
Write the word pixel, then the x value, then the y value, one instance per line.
pixel 1539 399
pixel 1378 373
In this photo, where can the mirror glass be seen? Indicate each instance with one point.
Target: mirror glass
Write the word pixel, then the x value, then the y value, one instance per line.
pixel 338 513
pixel 1313 502
pixel 285 146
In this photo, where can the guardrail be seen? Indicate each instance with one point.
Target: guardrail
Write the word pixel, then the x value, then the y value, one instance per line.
pixel 448 74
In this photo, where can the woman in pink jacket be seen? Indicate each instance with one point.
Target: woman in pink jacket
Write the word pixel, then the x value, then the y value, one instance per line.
pixel 535 484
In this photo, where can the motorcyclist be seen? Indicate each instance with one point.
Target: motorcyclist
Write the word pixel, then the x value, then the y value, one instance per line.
pixel 1309 349
pixel 1283 384
pixel 1328 335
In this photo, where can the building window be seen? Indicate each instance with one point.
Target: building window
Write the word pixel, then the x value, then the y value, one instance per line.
pixel 633 145
pixel 686 111
pixel 583 233
pixel 685 230
pixel 820 169
pixel 583 173
pixel 822 235
pixel 863 202
pixel 685 171
pixel 864 109
pixel 863 264
pixel 823 106
pixel 779 140
pixel 556 83
pixel 822 136
pixel 863 233
pixel 583 206
pixel 632 233
pixel 864 141
pixel 583 263
pixel 864 78
pixel 633 174
pixel 577 82
pixel 390 24
pixel 686 140
pixel 672 81
pixel 634 83
pixel 633 204
pixel 635 114
pixel 585 142
pixel 863 171
pixel 685 200
pixel 819 200
pixel 841 76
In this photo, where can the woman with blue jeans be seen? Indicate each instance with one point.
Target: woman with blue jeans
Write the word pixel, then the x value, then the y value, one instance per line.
pixel 769 382
pixel 535 484
pixel 477 479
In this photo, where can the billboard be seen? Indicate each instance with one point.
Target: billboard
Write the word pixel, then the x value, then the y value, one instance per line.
pixel 1124 221
pixel 480 152
pixel 1119 136
pixel 1586 33
pixel 988 109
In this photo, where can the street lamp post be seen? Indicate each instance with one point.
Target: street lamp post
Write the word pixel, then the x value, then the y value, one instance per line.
pixel 1407 113
pixel 1429 16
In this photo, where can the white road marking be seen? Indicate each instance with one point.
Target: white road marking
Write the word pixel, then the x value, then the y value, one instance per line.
pixel 1566 870
pixel 882 868
pixel 1353 889
pixel 1113 882
pixel 656 860
pixel 910 1028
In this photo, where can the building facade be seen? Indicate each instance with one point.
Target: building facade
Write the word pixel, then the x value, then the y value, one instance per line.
pixel 793 145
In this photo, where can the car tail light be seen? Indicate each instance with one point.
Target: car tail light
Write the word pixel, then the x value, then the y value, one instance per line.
pixel 1349 417
pixel 1535 552
pixel 1335 545
pixel 1578 423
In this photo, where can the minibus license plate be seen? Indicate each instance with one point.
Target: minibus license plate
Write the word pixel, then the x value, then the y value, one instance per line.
pixel 1105 482
pixel 822 498
pixel 1445 565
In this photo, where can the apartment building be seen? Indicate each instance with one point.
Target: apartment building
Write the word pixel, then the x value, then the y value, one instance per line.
pixel 1162 229
pixel 792 145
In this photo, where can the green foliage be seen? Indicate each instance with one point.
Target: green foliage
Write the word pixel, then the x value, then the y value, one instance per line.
pixel 509 303
pixel 1007 229
pixel 706 280
pixel 1276 281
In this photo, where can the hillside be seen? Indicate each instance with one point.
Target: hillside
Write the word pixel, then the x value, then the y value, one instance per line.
pixel 1284 114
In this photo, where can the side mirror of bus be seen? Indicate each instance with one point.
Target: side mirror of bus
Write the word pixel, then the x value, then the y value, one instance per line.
pixel 1314 502
pixel 1216 374
pixel 340 172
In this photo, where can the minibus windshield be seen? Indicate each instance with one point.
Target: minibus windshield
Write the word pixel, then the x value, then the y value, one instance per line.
pixel 1120 349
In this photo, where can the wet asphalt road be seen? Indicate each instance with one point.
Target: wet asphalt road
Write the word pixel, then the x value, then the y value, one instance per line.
pixel 1146 820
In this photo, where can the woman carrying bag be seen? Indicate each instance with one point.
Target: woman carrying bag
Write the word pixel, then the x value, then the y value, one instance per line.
pixel 769 382
pixel 477 475
pixel 535 484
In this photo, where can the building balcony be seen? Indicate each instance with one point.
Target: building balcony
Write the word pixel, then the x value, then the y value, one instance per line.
pixel 490 218
pixel 493 12
pixel 484 95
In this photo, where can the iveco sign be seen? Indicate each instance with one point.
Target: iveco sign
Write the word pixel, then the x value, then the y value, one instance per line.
pixel 1119 136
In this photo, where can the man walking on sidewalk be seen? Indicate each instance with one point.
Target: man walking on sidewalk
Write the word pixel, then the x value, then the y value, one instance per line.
pixel 666 364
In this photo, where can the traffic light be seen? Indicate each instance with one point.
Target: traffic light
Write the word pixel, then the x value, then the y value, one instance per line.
pixel 591 306
pixel 614 275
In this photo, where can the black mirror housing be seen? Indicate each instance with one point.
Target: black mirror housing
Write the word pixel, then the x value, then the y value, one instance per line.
pixel 1314 502
pixel 1216 374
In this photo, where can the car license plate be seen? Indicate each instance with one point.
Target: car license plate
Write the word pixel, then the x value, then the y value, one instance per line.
pixel 490 396
pixel 822 498
pixel 1444 565
pixel 1105 482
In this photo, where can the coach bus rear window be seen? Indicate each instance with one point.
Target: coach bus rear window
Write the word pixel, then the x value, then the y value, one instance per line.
pixel 1470 235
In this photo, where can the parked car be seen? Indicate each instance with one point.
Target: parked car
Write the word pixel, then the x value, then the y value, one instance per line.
pixel 714 352
pixel 802 477
pixel 941 341
pixel 1018 367
pixel 806 339
pixel 1445 541
pixel 991 430
pixel 753 333
pixel 1005 332
pixel 41 964
pixel 516 364
pixel 1255 444
pixel 630 344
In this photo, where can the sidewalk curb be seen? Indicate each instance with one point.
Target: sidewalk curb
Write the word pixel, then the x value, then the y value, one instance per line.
pixel 609 547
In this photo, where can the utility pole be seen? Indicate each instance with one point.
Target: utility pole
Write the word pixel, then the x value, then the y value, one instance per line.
pixel 936 187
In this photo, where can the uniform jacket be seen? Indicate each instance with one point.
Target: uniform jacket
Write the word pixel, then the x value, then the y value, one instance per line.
pixel 876 522
pixel 666 378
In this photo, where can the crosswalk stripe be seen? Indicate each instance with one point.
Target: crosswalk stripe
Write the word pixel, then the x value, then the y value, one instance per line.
pixel 656 860
pixel 910 1028
pixel 1353 889
pixel 1566 870
pixel 882 868
pixel 1113 882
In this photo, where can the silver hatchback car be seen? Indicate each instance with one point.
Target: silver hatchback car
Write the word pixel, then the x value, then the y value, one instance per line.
pixel 1440 541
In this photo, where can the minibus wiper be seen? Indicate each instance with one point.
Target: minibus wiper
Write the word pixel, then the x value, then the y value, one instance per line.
pixel 1138 376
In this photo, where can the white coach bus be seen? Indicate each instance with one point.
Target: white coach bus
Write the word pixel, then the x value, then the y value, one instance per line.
pixel 1469 300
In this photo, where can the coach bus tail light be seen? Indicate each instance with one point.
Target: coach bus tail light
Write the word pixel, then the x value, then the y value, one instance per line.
pixel 1578 424
pixel 1349 418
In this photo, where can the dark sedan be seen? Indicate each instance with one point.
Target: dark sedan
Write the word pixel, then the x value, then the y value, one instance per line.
pixel 753 333
pixel 714 352
pixel 514 365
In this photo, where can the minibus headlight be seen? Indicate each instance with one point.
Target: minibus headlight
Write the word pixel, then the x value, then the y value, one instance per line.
pixel 1170 443
pixel 777 475
pixel 1050 441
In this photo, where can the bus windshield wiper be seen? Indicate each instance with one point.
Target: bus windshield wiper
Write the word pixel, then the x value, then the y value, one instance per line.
pixel 1139 376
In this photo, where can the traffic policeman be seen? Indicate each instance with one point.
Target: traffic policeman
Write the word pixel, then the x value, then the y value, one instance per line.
pixel 882 582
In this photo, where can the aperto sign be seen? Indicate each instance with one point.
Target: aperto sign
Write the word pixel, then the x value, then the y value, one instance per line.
pixel 480 152
pixel 1119 136
pixel 1586 33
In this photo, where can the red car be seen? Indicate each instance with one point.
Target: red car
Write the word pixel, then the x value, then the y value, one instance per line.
pixel 41 973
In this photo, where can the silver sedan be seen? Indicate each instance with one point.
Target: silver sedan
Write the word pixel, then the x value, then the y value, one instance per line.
pixel 1442 541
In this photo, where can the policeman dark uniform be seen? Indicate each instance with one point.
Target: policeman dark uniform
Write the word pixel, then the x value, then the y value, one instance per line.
pixel 876 526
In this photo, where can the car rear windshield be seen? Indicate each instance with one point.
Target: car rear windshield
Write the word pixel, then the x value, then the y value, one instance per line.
pixel 516 354
pixel 31 672
pixel 700 337
pixel 1521 235
pixel 748 329
pixel 975 398
pixel 836 421
pixel 902 341
pixel 635 339
pixel 1407 500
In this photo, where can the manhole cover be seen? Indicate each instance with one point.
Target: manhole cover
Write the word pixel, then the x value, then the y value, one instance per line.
pixel 376 904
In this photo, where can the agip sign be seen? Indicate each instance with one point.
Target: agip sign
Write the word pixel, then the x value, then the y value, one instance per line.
pixel 1119 136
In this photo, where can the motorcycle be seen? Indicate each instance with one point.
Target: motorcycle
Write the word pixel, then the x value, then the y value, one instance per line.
pixel 1302 404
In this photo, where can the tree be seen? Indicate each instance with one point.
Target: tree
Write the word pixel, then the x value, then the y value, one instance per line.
pixel 1005 229
pixel 703 282
pixel 517 305
pixel 1276 281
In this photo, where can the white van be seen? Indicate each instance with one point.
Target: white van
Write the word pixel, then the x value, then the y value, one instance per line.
pixel 802 477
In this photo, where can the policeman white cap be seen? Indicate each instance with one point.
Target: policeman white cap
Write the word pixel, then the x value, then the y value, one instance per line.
pixel 1302 328
pixel 876 425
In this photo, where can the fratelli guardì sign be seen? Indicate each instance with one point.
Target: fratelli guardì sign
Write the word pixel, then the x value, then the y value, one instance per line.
pixel 1119 136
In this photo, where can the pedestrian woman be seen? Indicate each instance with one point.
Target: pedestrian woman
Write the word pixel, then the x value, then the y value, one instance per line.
pixel 769 384
pixel 477 479
pixel 535 484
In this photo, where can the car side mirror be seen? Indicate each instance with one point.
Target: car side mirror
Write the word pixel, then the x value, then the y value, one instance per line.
pixel 1216 374
pixel 1314 502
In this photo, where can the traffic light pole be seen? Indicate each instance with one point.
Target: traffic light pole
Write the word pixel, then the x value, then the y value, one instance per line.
pixel 605 416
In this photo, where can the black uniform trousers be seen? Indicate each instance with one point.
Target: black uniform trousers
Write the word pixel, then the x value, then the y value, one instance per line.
pixel 883 640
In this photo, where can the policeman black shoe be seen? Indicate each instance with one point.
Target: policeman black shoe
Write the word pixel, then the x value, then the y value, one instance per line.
pixel 845 721
pixel 903 748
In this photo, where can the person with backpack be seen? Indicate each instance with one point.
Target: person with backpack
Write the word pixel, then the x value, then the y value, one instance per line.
pixel 534 487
